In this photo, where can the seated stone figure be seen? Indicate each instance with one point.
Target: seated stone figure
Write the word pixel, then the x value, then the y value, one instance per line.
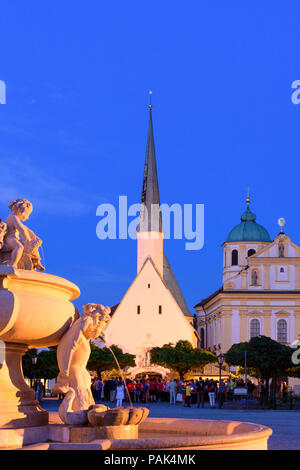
pixel 18 244
pixel 3 230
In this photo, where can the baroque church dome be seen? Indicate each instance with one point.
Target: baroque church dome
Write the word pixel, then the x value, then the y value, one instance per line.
pixel 248 230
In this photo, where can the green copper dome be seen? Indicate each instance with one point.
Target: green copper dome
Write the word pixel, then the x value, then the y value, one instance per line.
pixel 248 230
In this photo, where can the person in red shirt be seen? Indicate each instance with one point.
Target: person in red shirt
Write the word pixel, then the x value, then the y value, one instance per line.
pixel 160 387
pixel 137 392
pixel 152 390
pixel 130 387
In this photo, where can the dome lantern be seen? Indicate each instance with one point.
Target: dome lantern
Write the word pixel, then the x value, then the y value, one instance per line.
pixel 248 230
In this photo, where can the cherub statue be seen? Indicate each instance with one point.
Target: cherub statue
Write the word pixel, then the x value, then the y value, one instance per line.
pixel 18 244
pixel 73 353
pixel 3 230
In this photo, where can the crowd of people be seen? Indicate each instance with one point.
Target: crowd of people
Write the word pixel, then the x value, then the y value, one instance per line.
pixel 185 392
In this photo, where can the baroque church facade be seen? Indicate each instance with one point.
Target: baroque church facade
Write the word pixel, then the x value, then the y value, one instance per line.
pixel 153 311
pixel 260 294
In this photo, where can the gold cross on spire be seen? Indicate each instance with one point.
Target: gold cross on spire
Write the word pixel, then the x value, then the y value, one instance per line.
pixel 248 196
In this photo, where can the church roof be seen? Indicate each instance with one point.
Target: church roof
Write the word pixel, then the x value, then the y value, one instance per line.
pixel 173 286
pixel 248 230
pixel 150 202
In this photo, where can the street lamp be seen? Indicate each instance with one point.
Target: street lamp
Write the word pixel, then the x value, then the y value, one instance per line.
pixel 220 359
pixel 34 359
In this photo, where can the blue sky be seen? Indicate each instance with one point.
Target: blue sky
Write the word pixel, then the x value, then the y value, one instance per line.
pixel 73 131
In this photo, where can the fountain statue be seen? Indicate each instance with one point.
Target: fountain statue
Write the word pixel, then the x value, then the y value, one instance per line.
pixel 18 244
pixel 72 354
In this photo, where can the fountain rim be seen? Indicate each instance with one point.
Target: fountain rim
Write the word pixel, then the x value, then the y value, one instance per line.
pixel 182 440
pixel 40 278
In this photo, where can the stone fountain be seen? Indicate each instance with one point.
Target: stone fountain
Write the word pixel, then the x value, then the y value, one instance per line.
pixel 36 311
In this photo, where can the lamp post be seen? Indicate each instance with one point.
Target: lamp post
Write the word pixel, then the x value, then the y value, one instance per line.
pixel 220 359
pixel 34 359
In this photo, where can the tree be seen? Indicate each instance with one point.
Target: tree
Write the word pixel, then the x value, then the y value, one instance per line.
pixel 46 367
pixel 182 357
pixel 268 359
pixel 27 363
pixel 102 359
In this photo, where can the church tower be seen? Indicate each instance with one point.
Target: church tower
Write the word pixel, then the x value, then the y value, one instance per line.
pixel 149 232
pixel 243 241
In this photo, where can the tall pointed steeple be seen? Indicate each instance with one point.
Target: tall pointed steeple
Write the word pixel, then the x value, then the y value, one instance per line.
pixel 150 215
pixel 149 231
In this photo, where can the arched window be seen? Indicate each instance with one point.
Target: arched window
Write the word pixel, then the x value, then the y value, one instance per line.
pixel 254 328
pixel 282 331
pixel 251 252
pixel 234 258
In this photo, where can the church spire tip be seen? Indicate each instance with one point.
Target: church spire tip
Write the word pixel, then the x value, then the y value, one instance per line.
pixel 150 100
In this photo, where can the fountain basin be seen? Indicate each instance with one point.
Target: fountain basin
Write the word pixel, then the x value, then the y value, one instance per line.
pixel 35 308
pixel 167 434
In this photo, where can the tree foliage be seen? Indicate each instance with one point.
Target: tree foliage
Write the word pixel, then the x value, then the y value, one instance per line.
pixel 266 358
pixel 265 355
pixel 101 359
pixel 182 357
pixel 46 367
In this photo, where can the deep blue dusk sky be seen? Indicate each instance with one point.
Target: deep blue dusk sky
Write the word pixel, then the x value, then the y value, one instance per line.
pixel 73 131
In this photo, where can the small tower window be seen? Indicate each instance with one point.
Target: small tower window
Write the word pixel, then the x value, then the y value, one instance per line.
pixel 282 270
pixel 160 309
pixel 251 252
pixel 138 309
pixel 234 258
pixel 148 286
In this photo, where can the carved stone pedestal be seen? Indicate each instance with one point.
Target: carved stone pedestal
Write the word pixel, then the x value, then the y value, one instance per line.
pixel 18 406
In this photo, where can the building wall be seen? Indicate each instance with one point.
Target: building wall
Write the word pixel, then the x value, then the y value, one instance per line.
pixel 236 316
pixel 135 332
